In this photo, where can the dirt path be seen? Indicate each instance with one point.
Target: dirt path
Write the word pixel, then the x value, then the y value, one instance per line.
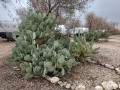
pixel 110 51
pixel 88 74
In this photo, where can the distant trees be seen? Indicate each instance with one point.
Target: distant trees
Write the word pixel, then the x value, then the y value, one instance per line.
pixel 94 23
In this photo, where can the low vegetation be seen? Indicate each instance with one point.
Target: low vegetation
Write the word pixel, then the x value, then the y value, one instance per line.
pixel 40 53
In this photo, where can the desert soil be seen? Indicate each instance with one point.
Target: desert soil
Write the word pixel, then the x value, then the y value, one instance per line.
pixel 88 74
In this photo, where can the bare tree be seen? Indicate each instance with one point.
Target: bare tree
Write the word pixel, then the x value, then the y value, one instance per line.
pixel 73 23
pixel 60 7
pixel 90 20
pixel 21 12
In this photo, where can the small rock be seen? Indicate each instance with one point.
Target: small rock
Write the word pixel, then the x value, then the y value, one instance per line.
pixel 91 61
pixel 16 68
pixel 59 82
pixel 73 86
pixel 114 85
pixel 117 70
pixel 106 85
pixel 109 66
pixel 65 83
pixel 54 79
pixel 98 88
pixel 80 87
pixel 109 85
pixel 76 82
pixel 68 86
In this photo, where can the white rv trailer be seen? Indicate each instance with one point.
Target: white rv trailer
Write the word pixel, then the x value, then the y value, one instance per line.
pixel 6 29
pixel 73 31
pixel 8 26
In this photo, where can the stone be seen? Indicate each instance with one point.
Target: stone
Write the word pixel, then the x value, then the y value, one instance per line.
pixel 65 83
pixel 98 88
pixel 91 61
pixel 59 82
pixel 16 68
pixel 114 85
pixel 117 70
pixel 80 87
pixel 68 86
pixel 54 79
pixel 109 85
pixel 76 82
pixel 119 85
pixel 109 66
pixel 106 85
pixel 73 86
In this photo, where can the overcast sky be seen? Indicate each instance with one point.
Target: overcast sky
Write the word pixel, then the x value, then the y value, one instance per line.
pixel 109 9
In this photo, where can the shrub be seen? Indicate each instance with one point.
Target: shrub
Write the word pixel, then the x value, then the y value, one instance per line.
pixel 81 49
pixel 37 50
pixel 41 53
pixel 114 32
pixel 103 34
pixel 92 36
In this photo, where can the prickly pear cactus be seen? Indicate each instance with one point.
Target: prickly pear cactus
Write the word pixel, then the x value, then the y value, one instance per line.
pixel 37 50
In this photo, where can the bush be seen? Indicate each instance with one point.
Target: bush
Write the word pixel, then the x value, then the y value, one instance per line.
pixel 92 36
pixel 104 34
pixel 81 49
pixel 41 53
pixel 114 32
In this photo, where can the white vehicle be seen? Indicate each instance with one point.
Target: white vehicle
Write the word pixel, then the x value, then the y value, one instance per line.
pixel 8 26
pixel 61 28
pixel 6 29
pixel 73 31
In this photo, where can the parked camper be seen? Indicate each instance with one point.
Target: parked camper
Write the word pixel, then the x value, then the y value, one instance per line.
pixel 72 31
pixel 61 28
pixel 6 29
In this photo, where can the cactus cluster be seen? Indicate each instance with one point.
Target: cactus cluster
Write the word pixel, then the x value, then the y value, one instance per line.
pixel 40 53
pixel 37 50
pixel 81 49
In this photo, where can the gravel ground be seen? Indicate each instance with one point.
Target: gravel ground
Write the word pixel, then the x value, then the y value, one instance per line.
pixel 88 74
